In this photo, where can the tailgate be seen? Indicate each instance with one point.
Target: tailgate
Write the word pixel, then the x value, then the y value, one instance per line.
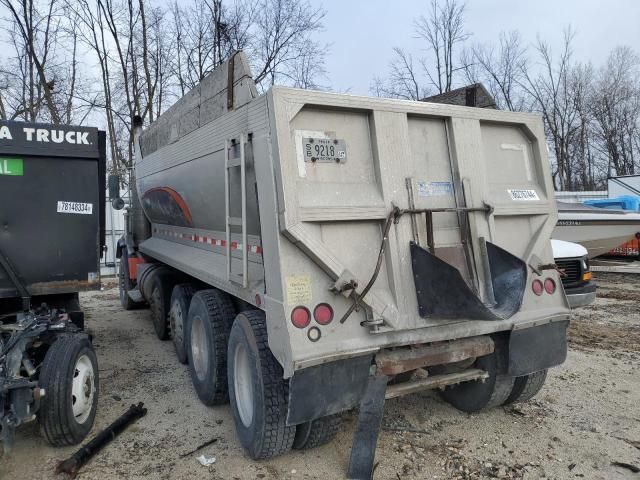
pixel 480 176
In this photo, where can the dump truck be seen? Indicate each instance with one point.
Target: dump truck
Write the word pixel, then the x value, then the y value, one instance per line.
pixel 52 192
pixel 312 252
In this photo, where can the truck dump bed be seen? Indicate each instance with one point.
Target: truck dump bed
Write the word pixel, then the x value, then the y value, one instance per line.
pixel 413 222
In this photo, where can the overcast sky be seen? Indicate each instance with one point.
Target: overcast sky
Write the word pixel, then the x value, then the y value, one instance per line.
pixel 363 33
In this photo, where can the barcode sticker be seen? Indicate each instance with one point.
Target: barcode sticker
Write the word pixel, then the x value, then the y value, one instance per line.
pixel 523 195
pixel 75 207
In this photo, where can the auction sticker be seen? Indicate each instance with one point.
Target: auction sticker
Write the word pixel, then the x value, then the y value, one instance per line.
pixel 75 207
pixel 298 289
pixel 526 195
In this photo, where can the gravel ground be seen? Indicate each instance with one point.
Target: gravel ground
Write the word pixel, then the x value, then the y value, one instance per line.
pixel 585 420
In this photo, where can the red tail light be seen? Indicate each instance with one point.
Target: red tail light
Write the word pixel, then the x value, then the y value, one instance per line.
pixel 323 313
pixel 549 286
pixel 301 317
pixel 537 287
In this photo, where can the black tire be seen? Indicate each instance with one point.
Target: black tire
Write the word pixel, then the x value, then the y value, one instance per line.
pixel 125 284
pixel 64 360
pixel 316 432
pixel 178 312
pixel 211 315
pixel 162 284
pixel 263 396
pixel 477 395
pixel 527 387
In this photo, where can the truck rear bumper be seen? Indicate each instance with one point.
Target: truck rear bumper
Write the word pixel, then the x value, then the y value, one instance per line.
pixel 581 296
pixel 337 386
pixel 447 331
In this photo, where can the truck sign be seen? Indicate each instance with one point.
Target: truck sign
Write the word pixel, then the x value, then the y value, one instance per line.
pixel 42 139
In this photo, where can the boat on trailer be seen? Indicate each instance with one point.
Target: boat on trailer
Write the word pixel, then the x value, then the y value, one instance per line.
pixel 597 229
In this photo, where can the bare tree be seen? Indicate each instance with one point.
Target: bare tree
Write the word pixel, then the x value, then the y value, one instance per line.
pixel 150 55
pixel 206 34
pixel 307 70
pixel 500 70
pixel 551 90
pixel 404 80
pixel 39 74
pixel 281 38
pixel 442 33
pixel 615 105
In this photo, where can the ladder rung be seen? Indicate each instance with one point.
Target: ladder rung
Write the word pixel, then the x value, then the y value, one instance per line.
pixel 235 221
pixel 234 162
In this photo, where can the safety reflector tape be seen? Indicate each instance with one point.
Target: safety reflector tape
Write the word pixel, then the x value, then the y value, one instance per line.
pixel 256 249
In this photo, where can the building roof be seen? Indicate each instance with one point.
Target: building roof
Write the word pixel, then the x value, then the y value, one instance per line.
pixel 475 95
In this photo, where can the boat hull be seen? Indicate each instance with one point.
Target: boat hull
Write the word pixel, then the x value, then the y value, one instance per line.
pixel 597 235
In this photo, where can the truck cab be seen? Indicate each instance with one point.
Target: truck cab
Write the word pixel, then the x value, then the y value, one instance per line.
pixel 573 262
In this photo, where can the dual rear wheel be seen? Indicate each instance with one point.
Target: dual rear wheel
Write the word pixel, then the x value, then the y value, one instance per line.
pixel 498 389
pixel 229 359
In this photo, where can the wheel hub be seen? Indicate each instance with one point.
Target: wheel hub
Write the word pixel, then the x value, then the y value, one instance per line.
pixel 199 348
pixel 83 389
pixel 243 384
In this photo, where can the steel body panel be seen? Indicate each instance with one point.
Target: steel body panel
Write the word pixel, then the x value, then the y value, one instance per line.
pixel 319 223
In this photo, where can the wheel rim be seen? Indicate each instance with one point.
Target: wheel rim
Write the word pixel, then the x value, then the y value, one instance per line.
pixel 243 384
pixel 83 389
pixel 199 348
pixel 177 322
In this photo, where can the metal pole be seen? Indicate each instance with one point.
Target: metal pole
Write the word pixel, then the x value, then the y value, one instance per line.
pixel 113 243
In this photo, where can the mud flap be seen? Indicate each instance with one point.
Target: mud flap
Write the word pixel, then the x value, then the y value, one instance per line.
pixel 365 438
pixel 322 390
pixel 443 293
pixel 537 348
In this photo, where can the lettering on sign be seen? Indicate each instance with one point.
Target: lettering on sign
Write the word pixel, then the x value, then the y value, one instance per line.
pixel 75 207
pixel 523 195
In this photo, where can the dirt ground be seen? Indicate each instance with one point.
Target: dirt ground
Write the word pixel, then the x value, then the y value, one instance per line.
pixel 585 420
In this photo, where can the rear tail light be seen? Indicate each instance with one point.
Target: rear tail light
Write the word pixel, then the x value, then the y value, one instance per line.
pixel 301 317
pixel 549 286
pixel 537 287
pixel 323 313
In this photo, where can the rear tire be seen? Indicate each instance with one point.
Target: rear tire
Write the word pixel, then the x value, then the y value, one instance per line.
pixel 259 393
pixel 178 313
pixel 527 387
pixel 162 284
pixel 316 432
pixel 124 283
pixel 69 376
pixel 477 395
pixel 211 314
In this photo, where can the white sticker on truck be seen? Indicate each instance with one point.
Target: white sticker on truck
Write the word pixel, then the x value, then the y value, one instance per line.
pixel 523 194
pixel 298 289
pixel 435 189
pixel 75 207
